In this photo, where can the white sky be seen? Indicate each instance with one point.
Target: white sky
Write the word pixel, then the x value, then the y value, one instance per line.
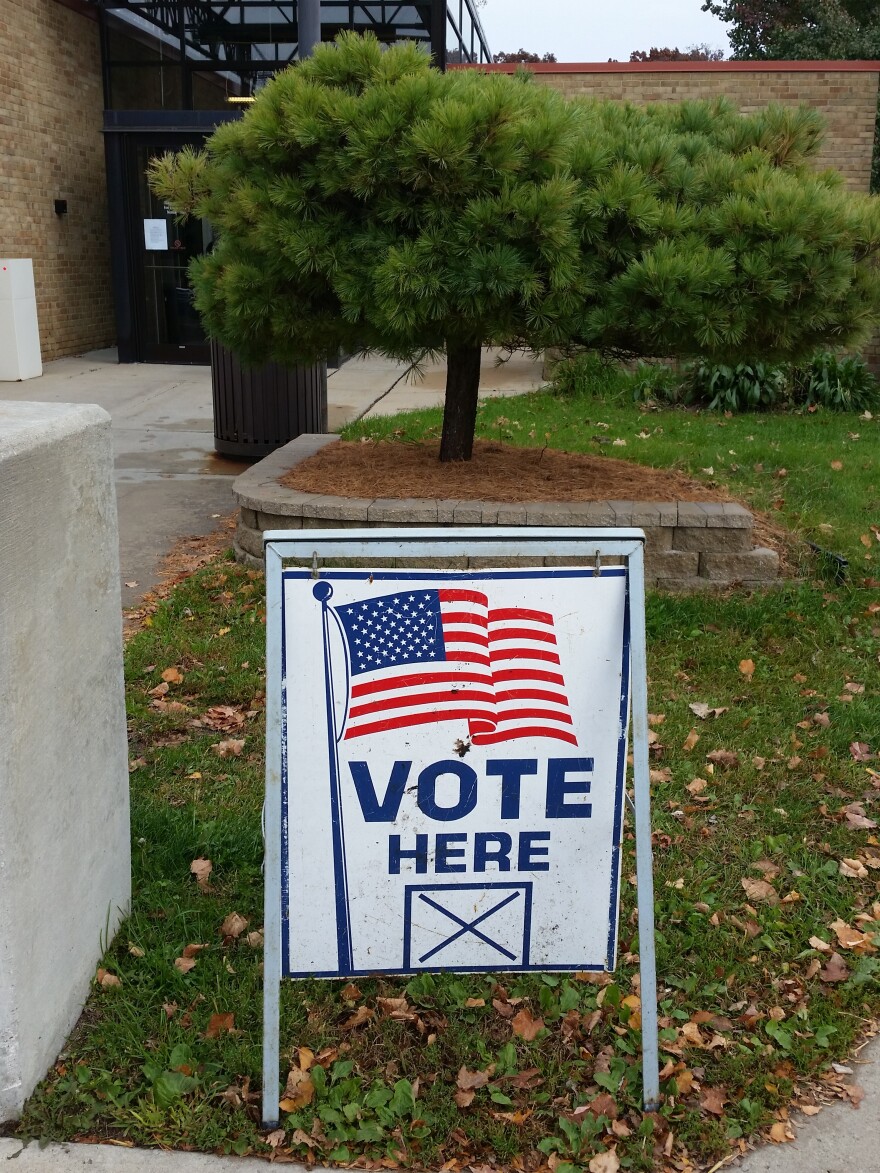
pixel 594 30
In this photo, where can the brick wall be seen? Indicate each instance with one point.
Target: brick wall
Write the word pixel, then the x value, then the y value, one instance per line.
pixel 51 147
pixel 844 92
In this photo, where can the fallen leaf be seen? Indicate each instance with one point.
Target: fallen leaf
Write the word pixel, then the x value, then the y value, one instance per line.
pixel 233 926
pixel 834 969
pixel 172 676
pixel 856 819
pixel 850 938
pixel 201 869
pixel 818 943
pixel 853 869
pixel 690 741
pixel 298 1091
pixel 362 1015
pixel 468 1080
pixel 860 751
pixel 604 1162
pixel 701 709
pixel 464 1099
pixel 222 717
pixel 855 689
pixel 230 748
pixel 713 1100
pixel 723 757
pixel 255 939
pixel 275 1138
pixel 350 992
pixel 760 890
pixel 747 667
pixel 194 950
pixel 781 1132
pixel 397 1009
pixel 697 786
pixel 135 950
pixel 184 964
pixel 837 465
pixel 525 1026
pixel 159 691
pixel 219 1024
pixel 107 980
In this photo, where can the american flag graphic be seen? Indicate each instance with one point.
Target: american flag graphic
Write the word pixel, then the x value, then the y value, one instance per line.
pixel 422 656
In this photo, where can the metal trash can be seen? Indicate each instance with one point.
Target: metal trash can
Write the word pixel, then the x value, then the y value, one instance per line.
pixel 258 409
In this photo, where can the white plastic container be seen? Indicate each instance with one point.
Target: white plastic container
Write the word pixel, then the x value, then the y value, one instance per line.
pixel 20 356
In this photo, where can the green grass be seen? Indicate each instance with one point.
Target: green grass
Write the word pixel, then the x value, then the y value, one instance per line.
pixel 737 973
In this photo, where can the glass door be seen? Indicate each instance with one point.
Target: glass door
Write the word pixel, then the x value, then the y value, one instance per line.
pixel 169 326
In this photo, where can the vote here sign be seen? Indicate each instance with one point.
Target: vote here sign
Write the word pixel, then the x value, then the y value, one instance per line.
pixel 453 758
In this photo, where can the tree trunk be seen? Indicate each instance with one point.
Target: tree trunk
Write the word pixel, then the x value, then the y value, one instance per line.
pixel 460 409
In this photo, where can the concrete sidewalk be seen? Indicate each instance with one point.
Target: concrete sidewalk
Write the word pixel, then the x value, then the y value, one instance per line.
pixel 170 483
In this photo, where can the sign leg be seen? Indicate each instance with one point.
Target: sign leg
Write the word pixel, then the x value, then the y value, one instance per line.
pixel 644 876
pixel 272 844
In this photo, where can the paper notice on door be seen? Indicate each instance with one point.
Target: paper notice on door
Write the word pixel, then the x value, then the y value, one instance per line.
pixel 156 235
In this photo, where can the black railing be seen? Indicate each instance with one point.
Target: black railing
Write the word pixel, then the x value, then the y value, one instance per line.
pixel 243 42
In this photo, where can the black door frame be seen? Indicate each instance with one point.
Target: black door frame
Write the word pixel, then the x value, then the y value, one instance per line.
pixel 168 129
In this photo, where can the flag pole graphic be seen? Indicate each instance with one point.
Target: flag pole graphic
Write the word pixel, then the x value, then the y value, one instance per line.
pixel 322 592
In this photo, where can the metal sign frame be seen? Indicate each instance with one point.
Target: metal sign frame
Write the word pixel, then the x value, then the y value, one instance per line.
pixel 314 546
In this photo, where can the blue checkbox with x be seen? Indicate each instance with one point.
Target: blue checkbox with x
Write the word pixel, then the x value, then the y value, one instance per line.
pixel 467 926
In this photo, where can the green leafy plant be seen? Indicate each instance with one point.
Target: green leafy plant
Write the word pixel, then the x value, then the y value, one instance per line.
pixel 744 387
pixel 838 384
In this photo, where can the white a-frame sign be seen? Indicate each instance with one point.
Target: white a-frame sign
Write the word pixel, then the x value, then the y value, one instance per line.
pixel 446 757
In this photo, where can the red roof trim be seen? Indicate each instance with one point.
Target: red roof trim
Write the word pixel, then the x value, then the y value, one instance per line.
pixel 684 67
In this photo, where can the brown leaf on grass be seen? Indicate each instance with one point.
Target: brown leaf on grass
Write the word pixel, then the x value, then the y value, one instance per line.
pixel 853 869
pixel 723 757
pixel 201 869
pixel 860 751
pixel 701 709
pixel 194 950
pixel 713 1100
pixel 662 775
pixel 697 785
pixel 397 1009
pixel 230 748
pixel 464 1098
pixel 362 1015
pixel 525 1026
pixel 172 676
pixel 468 1080
pixel 255 939
pixel 690 741
pixel 107 980
pixel 219 1024
pixel 170 1009
pixel 834 969
pixel 233 926
pixel 224 718
pixel 837 465
pixel 656 718
pixel 473 1003
pixel 850 938
pixel 747 667
pixel 530 1078
pixel 604 1162
pixel 350 992
pixel 184 964
pixel 856 819
pixel 760 890
pixel 818 943
pixel 298 1091
pixel 767 868
pixel 159 691
pixel 603 1105
pixel 504 1008
pixel 275 1138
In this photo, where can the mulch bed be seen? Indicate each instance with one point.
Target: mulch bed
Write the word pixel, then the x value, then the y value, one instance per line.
pixel 498 472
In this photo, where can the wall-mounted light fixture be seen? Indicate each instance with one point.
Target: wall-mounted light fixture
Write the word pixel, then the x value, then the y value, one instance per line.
pixel 61 207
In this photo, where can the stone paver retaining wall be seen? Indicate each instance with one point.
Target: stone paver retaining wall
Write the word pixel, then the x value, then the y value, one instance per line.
pixel 690 545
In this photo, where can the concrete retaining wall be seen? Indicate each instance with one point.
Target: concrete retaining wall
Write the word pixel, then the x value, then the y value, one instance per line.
pixel 689 545
pixel 64 825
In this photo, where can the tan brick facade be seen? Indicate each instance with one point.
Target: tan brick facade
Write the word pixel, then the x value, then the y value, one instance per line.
pixel 51 147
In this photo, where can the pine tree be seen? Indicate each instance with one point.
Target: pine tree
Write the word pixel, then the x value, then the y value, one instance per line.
pixel 367 201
